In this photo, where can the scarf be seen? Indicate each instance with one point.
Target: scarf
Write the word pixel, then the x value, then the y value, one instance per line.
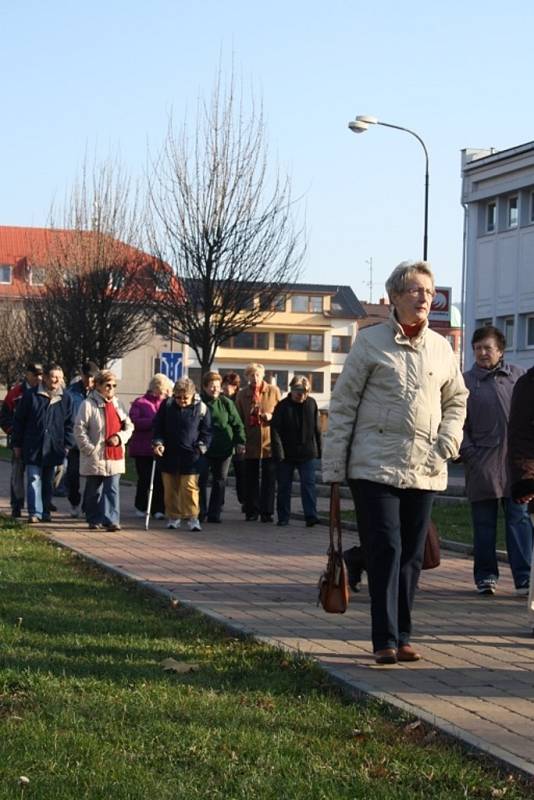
pixel 254 413
pixel 113 426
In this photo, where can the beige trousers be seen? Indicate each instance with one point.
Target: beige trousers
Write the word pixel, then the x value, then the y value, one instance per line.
pixel 181 495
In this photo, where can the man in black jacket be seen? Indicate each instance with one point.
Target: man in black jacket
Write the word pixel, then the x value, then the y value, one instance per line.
pixel 296 444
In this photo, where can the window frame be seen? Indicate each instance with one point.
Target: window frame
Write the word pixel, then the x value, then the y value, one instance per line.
pixel 309 349
pixel 32 271
pixel 493 205
pixel 528 318
pixel 254 346
pixel 510 225
pixel 309 302
pixel 347 339
pixel 10 280
pixel 510 341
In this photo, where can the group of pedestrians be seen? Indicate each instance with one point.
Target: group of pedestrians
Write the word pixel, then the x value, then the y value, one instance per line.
pixel 399 411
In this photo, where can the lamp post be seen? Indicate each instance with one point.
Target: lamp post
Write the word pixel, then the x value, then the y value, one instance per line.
pixel 361 124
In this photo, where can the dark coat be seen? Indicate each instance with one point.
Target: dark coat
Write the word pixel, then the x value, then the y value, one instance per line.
pixel 185 433
pixel 484 448
pixel 43 428
pixel 295 431
pixel 521 437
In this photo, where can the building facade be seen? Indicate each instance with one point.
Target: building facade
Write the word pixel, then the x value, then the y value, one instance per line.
pixel 498 272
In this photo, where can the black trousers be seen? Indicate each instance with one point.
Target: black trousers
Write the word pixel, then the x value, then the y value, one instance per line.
pixel 218 467
pixel 260 485
pixel 393 524
pixel 143 467
pixel 72 477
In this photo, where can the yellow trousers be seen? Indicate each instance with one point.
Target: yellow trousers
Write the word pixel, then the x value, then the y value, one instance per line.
pixel 181 495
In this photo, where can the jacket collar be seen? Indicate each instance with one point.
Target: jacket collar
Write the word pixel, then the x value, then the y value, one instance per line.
pixel 483 374
pixel 399 334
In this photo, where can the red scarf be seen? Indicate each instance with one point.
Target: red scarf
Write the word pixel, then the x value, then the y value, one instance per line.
pixel 254 413
pixel 412 330
pixel 113 426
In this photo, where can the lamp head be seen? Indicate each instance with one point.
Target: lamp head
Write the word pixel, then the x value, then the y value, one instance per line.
pixel 358 127
pixel 368 120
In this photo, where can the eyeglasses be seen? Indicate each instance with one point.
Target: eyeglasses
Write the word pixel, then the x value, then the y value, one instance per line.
pixel 415 292
pixel 110 385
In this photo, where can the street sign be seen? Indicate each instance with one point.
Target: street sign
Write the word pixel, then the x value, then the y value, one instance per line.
pixel 440 311
pixel 171 365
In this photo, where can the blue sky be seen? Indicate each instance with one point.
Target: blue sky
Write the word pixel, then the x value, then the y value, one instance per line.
pixel 104 76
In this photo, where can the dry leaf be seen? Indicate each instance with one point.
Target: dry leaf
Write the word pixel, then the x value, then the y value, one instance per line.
pixel 171 665
pixel 412 726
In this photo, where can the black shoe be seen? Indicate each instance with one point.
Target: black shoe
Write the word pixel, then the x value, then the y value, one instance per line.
pixel 251 517
pixel 16 513
pixel 355 561
pixel 311 521
pixel 46 518
pixel 113 527
pixel 267 518
pixel 52 507
pixel 95 526
pixel 213 519
pixel 282 523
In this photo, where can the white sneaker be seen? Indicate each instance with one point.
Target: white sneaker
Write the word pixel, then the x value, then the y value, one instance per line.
pixel 159 515
pixel 174 523
pixel 194 524
pixel 75 511
pixel 140 514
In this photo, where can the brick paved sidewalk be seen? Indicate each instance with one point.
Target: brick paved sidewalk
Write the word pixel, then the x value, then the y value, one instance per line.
pixel 476 681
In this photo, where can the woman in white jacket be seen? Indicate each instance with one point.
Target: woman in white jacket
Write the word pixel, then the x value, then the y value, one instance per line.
pixel 396 416
pixel 101 430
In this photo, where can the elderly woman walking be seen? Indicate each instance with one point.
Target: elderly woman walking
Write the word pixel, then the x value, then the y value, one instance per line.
pixel 255 404
pixel 396 416
pixel 102 429
pixel 142 413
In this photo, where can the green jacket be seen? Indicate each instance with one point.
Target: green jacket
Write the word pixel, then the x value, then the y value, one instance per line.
pixel 226 426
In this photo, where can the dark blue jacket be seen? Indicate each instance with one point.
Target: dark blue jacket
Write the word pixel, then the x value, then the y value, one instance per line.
pixel 185 433
pixel 79 393
pixel 43 428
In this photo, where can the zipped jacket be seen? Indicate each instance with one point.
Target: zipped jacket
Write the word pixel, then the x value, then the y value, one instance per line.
pixel 90 434
pixel 185 434
pixel 397 410
pixel 43 427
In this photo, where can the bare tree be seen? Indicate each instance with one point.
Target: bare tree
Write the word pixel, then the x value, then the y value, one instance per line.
pixel 13 343
pixel 224 223
pixel 90 306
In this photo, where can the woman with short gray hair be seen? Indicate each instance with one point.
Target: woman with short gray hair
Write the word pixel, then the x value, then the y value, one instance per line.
pixel 396 417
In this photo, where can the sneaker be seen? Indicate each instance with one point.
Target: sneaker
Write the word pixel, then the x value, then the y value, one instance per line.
pixel 487 586
pixel 194 524
pixel 112 527
pixel 174 524
pixel 75 511
pixel 32 520
pixel 95 526
pixel 159 515
pixel 523 589
pixel 46 518
pixel 140 514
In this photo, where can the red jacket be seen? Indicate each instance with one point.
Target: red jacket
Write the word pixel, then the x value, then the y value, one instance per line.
pixel 8 406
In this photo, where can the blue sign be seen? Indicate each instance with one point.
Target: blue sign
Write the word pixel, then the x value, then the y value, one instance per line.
pixel 171 364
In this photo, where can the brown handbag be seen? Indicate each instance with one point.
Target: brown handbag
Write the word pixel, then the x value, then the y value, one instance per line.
pixel 432 554
pixel 333 587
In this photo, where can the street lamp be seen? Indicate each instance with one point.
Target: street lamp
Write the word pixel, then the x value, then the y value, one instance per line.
pixel 361 124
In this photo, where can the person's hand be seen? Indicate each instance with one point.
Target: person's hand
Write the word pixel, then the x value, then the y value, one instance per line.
pixel 265 416
pixel 17 452
pixel 158 449
pixel 526 499
pixel 240 450
pixel 113 441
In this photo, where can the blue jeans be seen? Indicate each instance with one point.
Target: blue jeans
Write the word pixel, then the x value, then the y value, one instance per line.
pixel 39 489
pixel 101 500
pixel 393 524
pixel 519 538
pixel 285 472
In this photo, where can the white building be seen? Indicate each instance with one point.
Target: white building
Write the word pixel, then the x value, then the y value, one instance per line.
pixel 498 275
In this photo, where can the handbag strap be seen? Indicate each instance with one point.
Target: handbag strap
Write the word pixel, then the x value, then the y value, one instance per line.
pixel 335 519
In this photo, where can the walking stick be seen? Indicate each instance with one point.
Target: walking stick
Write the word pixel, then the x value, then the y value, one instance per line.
pixel 150 493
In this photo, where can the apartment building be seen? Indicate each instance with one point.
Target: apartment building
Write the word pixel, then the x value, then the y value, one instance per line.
pixel 498 199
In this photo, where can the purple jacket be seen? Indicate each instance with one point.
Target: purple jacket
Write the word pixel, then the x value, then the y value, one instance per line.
pixel 142 413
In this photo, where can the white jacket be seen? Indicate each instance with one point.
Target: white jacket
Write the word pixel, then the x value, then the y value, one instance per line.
pixel 90 431
pixel 397 410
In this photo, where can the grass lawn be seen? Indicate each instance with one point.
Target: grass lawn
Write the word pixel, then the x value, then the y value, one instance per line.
pixel 86 710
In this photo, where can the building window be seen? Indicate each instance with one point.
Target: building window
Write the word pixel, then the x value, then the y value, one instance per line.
pixel 316 380
pixel 508 331
pixel 333 379
pixel 117 279
pixel 341 344
pixel 532 206
pixel 491 216
pixel 270 304
pixel 5 273
pixel 37 276
pixel 249 340
pixel 306 304
pixel 483 323
pixel 530 331
pixel 279 377
pixel 302 342
pixel 512 214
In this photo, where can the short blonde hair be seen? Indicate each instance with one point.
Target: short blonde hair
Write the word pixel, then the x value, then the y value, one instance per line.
pixel 398 280
pixel 208 377
pixel 253 367
pixel 185 386
pixel 103 376
pixel 159 384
